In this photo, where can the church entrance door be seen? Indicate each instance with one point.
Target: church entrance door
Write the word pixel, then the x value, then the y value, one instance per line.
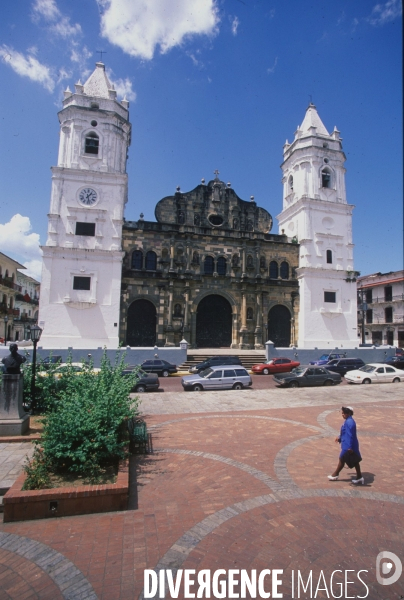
pixel 141 324
pixel 213 322
pixel 279 326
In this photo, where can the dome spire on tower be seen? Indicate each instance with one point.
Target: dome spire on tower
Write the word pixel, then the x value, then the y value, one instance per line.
pixel 312 119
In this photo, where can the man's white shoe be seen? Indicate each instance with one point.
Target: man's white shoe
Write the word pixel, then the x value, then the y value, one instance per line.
pixel 331 478
pixel 360 481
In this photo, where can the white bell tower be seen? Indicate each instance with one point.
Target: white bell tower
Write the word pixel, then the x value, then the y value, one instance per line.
pixel 82 259
pixel 316 215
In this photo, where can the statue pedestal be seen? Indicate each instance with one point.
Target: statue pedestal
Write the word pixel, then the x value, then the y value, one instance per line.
pixel 13 418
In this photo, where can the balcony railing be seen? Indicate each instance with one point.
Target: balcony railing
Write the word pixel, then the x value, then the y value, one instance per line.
pixel 10 284
pixel 397 320
pixel 395 298
pixel 11 312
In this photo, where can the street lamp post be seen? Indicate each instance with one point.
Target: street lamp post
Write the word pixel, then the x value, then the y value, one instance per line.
pixel 5 329
pixel 35 334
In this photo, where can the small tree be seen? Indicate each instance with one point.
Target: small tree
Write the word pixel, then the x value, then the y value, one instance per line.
pixel 85 428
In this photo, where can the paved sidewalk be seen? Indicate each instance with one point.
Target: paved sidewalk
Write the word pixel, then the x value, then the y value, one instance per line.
pixel 237 480
pixel 12 460
pixel 166 403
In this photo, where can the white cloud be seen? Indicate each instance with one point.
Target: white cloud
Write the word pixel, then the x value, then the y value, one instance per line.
pixel 28 66
pixel 18 241
pixel 123 88
pixel 33 268
pixel 60 25
pixel 234 25
pixel 385 13
pixel 138 28
pixel 64 29
pixel 272 69
pixel 46 9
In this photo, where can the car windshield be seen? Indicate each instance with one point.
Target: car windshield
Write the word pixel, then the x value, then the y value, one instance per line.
pixel 324 357
pixel 367 369
pixel 298 370
pixel 206 372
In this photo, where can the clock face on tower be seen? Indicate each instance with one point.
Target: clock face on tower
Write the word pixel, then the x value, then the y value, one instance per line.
pixel 88 197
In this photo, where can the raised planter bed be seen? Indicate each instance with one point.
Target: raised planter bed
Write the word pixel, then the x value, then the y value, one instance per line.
pixel 66 501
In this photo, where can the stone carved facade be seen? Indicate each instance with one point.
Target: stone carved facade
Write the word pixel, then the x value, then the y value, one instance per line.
pixel 209 271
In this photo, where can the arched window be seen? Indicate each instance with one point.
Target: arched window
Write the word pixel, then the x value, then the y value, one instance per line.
pixel 137 259
pixel 197 219
pixel 329 257
pixel 273 270
pixel 151 261
pixel 262 262
pixel 326 177
pixel 221 265
pixel 250 314
pixel 195 258
pixel 91 144
pixel 177 310
pixel 284 270
pixel 208 266
pixel 290 183
pixel 250 262
pixel 250 225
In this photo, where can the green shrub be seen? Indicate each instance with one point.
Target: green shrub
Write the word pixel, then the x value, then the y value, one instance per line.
pixel 37 470
pixel 47 386
pixel 85 428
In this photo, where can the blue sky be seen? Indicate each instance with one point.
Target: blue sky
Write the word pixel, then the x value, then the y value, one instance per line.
pixel 213 84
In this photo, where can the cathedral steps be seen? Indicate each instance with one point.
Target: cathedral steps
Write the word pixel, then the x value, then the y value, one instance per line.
pixel 247 360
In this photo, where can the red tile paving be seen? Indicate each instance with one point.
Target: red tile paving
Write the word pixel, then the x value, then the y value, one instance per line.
pixel 176 491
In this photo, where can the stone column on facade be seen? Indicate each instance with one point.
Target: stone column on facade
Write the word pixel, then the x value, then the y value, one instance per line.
pixel 258 329
pixel 243 261
pixel 172 250
pixel 186 328
pixel 292 332
pixel 188 257
pixel 243 329
pixel 257 262
pixel 160 323
pixel 169 327
pixel 193 329
pixel 235 342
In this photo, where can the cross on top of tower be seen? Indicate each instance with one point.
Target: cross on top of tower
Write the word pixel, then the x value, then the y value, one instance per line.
pixel 101 52
pixel 216 172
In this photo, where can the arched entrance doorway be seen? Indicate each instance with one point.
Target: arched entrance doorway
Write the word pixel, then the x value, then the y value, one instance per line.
pixel 213 322
pixel 279 326
pixel 141 329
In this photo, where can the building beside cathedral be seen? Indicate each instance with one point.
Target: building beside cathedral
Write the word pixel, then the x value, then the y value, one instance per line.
pixel 209 269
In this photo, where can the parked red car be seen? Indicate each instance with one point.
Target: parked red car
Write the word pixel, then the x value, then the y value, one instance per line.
pixel 276 365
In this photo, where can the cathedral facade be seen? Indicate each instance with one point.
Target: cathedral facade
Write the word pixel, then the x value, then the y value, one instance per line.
pixel 209 269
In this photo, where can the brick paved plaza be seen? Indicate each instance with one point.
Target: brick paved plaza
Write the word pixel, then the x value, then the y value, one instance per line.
pixel 237 480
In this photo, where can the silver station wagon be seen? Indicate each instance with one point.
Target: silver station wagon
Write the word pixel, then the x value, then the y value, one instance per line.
pixel 227 377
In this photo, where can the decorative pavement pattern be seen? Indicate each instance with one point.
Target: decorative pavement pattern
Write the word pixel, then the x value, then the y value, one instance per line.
pixel 235 481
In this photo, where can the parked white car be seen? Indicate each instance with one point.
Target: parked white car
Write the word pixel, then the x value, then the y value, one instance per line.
pixel 375 373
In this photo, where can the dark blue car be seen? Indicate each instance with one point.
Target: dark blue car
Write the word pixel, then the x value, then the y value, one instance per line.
pixel 325 358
